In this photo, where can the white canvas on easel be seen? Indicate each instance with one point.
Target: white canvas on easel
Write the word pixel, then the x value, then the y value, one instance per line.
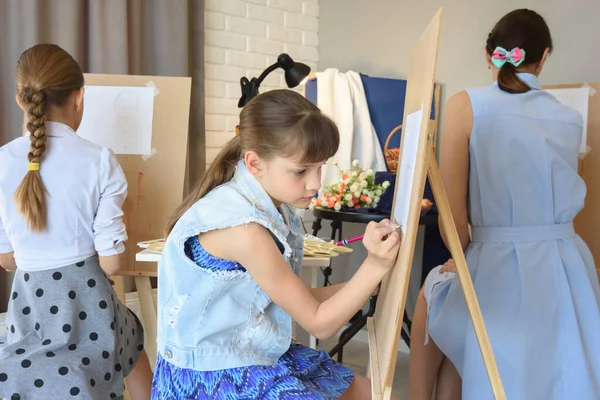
pixel 410 133
pixel 119 118
pixel 155 180
pixel 578 99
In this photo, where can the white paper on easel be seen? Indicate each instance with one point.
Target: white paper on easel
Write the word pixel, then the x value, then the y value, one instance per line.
pixel 578 99
pixel 118 117
pixel 406 169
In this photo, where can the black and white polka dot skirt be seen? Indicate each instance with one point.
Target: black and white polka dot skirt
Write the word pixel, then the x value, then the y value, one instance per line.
pixel 68 336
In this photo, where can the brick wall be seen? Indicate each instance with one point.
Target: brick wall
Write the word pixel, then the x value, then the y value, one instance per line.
pixel 242 38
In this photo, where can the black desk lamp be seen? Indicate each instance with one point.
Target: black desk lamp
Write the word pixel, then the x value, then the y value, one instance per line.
pixel 295 74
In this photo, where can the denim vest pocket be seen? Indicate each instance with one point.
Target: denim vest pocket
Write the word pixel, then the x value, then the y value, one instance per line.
pixel 248 335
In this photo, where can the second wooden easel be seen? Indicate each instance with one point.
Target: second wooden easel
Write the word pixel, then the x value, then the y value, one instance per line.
pixel 416 158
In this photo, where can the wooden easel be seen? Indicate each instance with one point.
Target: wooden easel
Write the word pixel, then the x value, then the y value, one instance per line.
pixel 587 222
pixel 155 182
pixel 384 327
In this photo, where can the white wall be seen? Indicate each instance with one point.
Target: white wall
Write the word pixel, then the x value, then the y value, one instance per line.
pixel 375 37
pixel 242 39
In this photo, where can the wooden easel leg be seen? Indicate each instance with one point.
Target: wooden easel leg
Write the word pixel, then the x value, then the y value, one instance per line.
pixel 464 276
pixel 119 286
pixel 373 370
pixel 148 310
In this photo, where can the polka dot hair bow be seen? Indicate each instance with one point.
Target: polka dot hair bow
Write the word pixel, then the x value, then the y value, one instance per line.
pixel 500 56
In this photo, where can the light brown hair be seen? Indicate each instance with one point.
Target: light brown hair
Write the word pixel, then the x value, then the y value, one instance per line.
pixel 519 28
pixel 46 76
pixel 275 123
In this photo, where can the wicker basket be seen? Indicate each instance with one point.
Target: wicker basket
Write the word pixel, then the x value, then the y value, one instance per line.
pixel 391 155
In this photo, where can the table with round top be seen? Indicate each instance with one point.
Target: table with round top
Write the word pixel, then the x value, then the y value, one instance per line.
pixel 338 217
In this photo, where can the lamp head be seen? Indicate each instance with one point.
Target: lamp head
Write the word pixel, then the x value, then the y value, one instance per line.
pixel 295 74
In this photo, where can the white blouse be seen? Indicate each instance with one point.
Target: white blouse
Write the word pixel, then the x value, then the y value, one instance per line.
pixel 86 190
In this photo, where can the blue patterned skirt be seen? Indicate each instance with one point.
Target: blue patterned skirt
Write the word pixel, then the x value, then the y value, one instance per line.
pixel 301 373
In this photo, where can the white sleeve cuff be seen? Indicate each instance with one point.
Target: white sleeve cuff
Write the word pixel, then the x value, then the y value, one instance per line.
pixel 107 248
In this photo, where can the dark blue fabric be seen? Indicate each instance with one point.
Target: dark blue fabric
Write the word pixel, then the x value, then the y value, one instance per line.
pixel 385 98
pixel 387 198
pixel 195 252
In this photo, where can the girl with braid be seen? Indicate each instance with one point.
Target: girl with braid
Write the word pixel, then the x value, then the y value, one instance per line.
pixel 61 230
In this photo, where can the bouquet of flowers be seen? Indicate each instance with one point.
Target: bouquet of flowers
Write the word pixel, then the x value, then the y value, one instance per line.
pixel 356 188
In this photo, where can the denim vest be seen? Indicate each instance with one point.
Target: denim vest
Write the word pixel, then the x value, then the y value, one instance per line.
pixel 211 320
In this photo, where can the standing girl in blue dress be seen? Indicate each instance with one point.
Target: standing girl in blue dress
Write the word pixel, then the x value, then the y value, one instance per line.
pixel 509 165
pixel 229 275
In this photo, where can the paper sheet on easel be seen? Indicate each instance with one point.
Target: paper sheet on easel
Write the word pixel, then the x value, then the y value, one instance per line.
pixel 118 117
pixel 576 98
pixel 410 147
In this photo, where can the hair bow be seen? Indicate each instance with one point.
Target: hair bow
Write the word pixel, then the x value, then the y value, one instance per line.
pixel 500 56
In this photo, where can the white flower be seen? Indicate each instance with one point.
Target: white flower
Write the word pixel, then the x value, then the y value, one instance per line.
pixel 348 197
pixel 357 194
pixel 354 174
pixel 337 206
pixel 376 199
pixel 377 192
pixel 370 172
pixel 369 200
pixel 364 184
pixel 363 175
pixel 371 194
pixel 311 206
pixel 354 187
pixel 350 204
pixel 385 184
pixel 365 191
pixel 355 163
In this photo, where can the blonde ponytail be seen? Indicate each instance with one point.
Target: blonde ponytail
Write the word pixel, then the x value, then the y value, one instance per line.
pixel 46 76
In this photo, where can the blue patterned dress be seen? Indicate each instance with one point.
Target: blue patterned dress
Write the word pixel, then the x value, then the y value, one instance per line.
pixel 302 373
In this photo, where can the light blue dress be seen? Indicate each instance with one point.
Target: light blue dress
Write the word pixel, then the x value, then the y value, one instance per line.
pixel 534 277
